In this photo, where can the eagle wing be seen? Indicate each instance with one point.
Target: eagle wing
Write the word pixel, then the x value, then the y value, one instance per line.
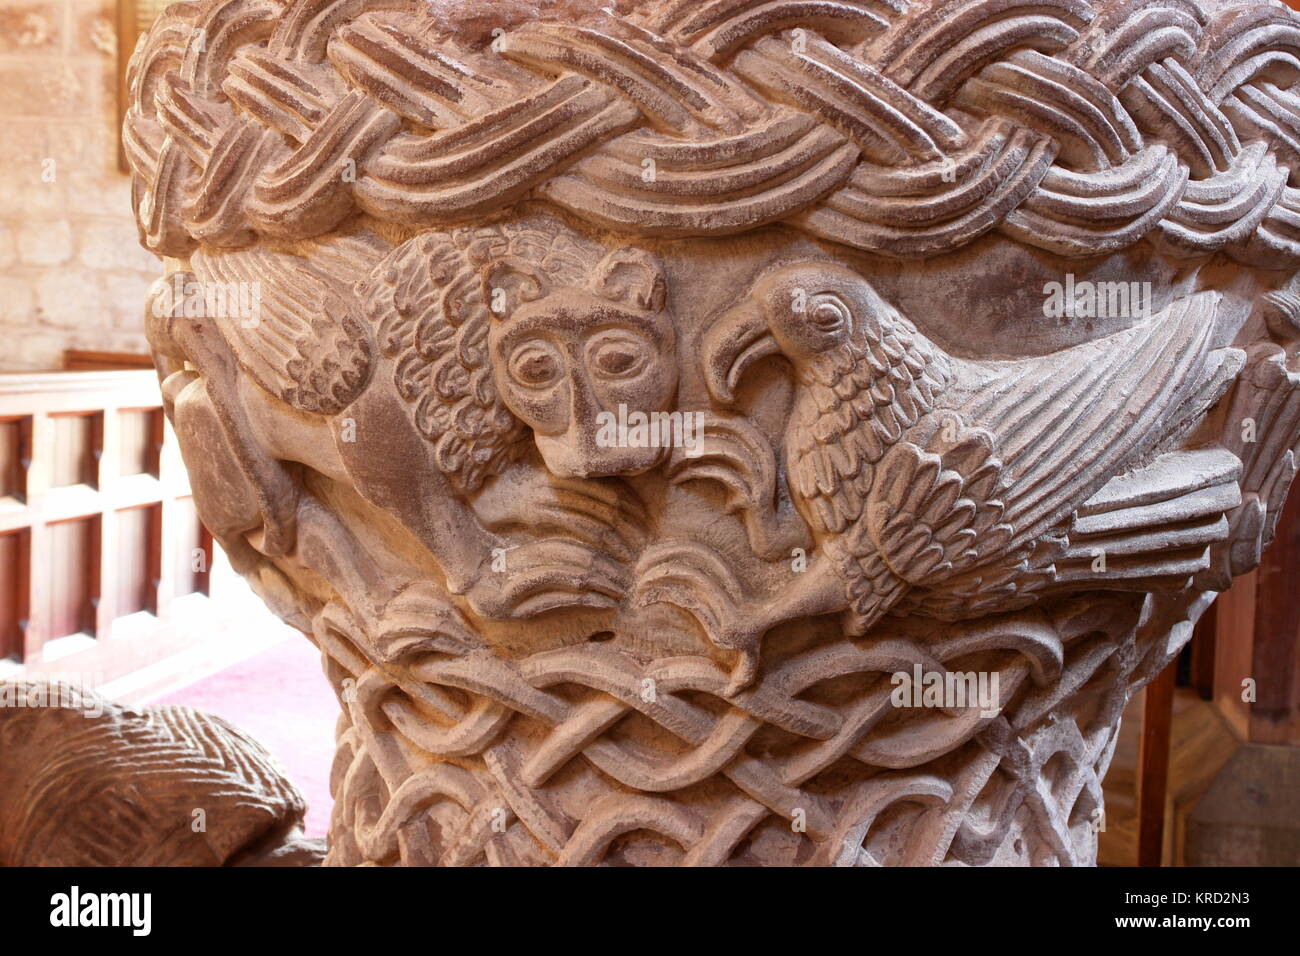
pixel 1060 436
pixel 293 321
pixel 991 525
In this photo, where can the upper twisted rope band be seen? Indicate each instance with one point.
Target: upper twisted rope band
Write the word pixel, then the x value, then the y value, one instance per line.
pixel 903 129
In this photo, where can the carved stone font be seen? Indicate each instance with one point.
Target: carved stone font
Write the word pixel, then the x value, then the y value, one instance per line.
pixel 728 431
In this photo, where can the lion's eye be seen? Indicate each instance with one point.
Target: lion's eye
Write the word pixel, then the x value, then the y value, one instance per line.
pixel 619 357
pixel 828 312
pixel 536 364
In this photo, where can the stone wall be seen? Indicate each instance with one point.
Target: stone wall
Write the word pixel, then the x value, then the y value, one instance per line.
pixel 72 273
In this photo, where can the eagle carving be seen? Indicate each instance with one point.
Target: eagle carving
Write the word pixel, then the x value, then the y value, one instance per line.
pixel 963 486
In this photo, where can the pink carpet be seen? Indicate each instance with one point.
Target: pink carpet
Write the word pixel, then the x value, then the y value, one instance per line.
pixel 281 698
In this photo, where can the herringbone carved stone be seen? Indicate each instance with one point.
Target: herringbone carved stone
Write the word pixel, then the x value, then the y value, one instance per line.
pixel 728 431
pixel 88 782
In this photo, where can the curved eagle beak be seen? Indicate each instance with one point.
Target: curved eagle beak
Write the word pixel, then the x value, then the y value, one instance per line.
pixel 734 343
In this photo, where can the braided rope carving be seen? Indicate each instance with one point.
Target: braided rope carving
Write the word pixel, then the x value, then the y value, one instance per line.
pixel 479 758
pixel 903 129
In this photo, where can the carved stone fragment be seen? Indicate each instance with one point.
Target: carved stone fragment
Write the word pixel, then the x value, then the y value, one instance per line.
pixel 87 782
pixel 738 431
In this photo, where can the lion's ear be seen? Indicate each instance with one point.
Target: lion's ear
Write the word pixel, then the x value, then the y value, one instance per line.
pixel 632 277
pixel 509 282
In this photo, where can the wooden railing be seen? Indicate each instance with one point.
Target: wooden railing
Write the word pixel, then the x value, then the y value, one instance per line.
pixel 96 523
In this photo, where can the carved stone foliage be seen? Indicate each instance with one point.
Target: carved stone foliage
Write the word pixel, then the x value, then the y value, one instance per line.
pixel 644 408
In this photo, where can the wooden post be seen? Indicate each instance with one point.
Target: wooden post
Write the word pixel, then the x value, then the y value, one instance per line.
pixel 1275 661
pixel 1153 765
pixel 39 463
pixel 1204 640
pixel 109 439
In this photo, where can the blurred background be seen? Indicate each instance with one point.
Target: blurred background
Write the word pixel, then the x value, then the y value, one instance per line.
pixel 106 576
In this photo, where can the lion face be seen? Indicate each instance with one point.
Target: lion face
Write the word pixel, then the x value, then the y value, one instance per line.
pixel 565 363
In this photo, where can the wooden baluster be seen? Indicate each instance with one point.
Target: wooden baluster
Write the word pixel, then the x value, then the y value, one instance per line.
pixel 40 461
pixel 165 543
pixel 109 443
pixel 1153 765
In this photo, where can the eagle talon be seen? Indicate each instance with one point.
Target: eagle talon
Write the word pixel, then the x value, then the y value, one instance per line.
pixel 696 579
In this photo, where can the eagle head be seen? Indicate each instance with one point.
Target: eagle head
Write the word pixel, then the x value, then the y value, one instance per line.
pixel 801 311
